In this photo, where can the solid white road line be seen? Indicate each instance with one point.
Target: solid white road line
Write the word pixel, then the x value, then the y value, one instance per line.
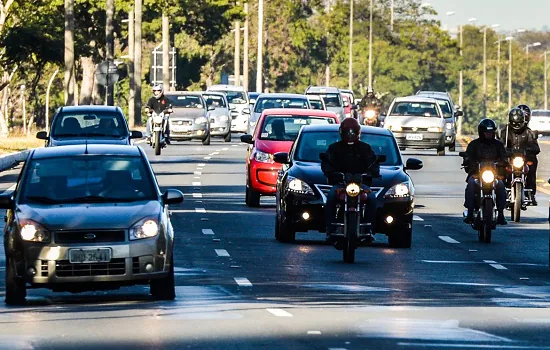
pixel 197 173
pixel 314 332
pixel 490 261
pixel 197 195
pixel 474 346
pixel 215 153
pixel 207 231
pixel 197 177
pixel 221 252
pixel 225 149
pixel 196 183
pixel 11 189
pixel 200 210
pixel 201 164
pixel 337 349
pixel 498 267
pixel 279 312
pixel 208 157
pixel 243 282
pixel 448 239
pixel 417 218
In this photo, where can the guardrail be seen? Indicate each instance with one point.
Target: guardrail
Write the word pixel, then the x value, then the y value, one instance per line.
pixel 10 160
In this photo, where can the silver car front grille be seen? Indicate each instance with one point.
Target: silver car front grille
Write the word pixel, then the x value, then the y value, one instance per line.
pixel 64 268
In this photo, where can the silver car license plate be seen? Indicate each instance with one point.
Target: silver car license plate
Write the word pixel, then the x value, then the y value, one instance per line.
pixel 83 256
pixel 414 137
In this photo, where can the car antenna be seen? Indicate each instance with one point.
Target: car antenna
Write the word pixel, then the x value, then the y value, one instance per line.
pixel 86 150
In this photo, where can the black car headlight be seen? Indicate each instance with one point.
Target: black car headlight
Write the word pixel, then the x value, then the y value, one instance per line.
pixel 400 190
pixel 32 231
pixel 144 228
pixel 298 186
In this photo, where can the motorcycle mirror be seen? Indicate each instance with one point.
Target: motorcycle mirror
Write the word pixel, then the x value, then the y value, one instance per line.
pixel 463 154
pixel 136 134
pixel 323 156
pixel 549 180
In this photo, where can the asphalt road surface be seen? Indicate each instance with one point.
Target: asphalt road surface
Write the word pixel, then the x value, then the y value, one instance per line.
pixel 238 288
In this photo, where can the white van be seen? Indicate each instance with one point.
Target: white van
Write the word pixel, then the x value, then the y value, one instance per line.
pixel 540 121
pixel 238 103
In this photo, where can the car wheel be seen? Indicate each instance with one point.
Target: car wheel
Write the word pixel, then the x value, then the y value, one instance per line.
pixel 164 288
pixel 227 137
pixel 441 151
pixel 252 198
pixel 206 141
pixel 452 147
pixel 287 234
pixel 400 237
pixel 16 290
pixel 402 148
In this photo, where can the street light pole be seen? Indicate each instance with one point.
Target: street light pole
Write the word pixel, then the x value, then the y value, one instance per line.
pixel 237 57
pixel 509 71
pixel 370 44
pixel 498 73
pixel 484 72
pixel 350 69
pixel 391 16
pixel 545 80
pixel 260 63
pixel 245 49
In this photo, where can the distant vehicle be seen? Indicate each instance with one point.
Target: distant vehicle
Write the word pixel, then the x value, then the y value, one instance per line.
pixel 451 113
pixel 347 106
pixel 417 122
pixel 239 104
pixel 252 96
pixel 189 119
pixel 332 97
pixel 540 121
pixel 302 188
pixel 276 100
pixel 316 102
pixel 88 217
pixel 220 116
pixel 72 125
pixel 275 132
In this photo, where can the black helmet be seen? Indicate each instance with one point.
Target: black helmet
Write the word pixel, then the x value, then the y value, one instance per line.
pixel 527 111
pixel 516 119
pixel 486 125
pixel 350 130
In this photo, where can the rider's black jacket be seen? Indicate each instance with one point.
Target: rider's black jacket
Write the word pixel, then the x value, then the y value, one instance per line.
pixel 523 139
pixel 370 101
pixel 358 158
pixel 481 150
pixel 158 105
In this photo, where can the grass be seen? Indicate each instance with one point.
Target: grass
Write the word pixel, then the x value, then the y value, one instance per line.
pixel 18 143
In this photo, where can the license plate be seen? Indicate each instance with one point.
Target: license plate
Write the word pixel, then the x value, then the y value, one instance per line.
pixel 414 137
pixel 82 256
pixel 179 128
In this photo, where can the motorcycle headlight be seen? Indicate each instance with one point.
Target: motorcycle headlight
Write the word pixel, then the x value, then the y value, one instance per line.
pixel 145 228
pixel 370 114
pixel 224 118
pixel 353 190
pixel 32 231
pixel 157 119
pixel 518 162
pixel 448 126
pixel 434 129
pixel 298 186
pixel 400 190
pixel 263 157
pixel 488 176
pixel 201 120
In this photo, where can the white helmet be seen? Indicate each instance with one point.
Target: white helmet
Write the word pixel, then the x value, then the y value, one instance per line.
pixel 157 87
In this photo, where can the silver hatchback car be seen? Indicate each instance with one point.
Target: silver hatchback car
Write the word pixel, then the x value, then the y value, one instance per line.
pixel 189 119
pixel 219 114
pixel 88 217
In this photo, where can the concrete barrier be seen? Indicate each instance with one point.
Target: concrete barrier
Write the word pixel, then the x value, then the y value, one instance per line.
pixel 9 160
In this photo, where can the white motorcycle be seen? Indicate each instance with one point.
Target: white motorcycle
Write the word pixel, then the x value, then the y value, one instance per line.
pixel 159 121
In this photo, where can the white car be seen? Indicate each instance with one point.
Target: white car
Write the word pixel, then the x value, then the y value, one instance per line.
pixel 540 121
pixel 238 103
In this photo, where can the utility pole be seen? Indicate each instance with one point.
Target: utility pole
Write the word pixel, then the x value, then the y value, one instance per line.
pixel 510 73
pixel 260 63
pixel 69 80
pixel 327 65
pixel 165 52
pixel 23 109
pixel 138 8
pixel 484 72
pixel 391 16
pixel 237 58
pixel 245 49
pixel 109 48
pixel 460 82
pixel 350 69
pixel 131 45
pixel 545 81
pixel 498 72
pixel 370 44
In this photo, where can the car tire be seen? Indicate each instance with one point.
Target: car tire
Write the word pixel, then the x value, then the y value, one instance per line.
pixel 164 288
pixel 452 147
pixel 16 289
pixel 287 234
pixel 400 237
pixel 402 148
pixel 227 137
pixel 441 151
pixel 206 141
pixel 252 198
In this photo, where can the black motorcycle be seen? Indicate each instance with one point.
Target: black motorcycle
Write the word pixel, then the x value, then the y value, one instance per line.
pixel 517 196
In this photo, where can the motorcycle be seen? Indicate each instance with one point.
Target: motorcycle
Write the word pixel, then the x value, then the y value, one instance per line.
pixel 517 196
pixel 159 121
pixel 485 212
pixel 370 117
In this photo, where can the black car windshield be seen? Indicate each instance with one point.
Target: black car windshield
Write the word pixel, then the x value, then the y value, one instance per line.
pixel 331 100
pixel 286 127
pixel 236 97
pixel 540 113
pixel 276 102
pixel 215 101
pixel 87 179
pixel 186 101
pixel 416 109
pixel 89 123
pixel 311 144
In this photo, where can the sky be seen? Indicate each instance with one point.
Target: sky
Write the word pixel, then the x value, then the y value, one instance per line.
pixel 510 14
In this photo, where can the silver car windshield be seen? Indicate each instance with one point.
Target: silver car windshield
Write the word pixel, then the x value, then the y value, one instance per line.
pixel 215 101
pixel 274 102
pixel 87 179
pixel 186 101
pixel 89 124
pixel 416 109
pixel 311 144
pixel 331 100
pixel 236 97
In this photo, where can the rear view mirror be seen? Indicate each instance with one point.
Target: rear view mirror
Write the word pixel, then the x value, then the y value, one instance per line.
pixel 42 135
pixel 246 110
pixel 247 139
pixel 459 114
pixel 323 156
pixel 172 196
pixel 281 158
pixel 381 158
pixel 136 134
pixel 6 201
pixel 211 108
pixel 414 164
pixel 462 154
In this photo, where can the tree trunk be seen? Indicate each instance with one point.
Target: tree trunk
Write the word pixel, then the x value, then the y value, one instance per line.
pixel 88 80
pixel 69 82
pixel 137 60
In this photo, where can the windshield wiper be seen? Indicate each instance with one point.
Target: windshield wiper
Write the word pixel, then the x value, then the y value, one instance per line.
pixel 42 199
pixel 66 135
pixel 100 199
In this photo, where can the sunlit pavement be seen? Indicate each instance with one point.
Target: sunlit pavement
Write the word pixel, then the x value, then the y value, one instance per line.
pixel 239 288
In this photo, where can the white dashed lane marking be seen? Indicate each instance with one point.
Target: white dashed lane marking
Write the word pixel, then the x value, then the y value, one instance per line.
pixel 225 149
pixel 448 239
pixel 417 218
pixel 196 183
pixel 498 267
pixel 490 261
pixel 279 312
pixel 201 164
pixel 221 252
pixel 197 195
pixel 314 332
pixel 197 173
pixel 200 210
pixel 208 157
pixel 243 282
pixel 207 231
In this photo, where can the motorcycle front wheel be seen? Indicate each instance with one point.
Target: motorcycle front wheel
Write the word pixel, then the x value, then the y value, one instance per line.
pixel 350 242
pixel 518 199
pixel 157 143
pixel 484 233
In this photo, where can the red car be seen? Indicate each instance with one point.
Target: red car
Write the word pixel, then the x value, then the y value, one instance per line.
pixel 275 132
pixel 347 105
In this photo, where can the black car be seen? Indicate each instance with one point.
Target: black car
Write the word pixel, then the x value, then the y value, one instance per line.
pixel 302 187
pixel 88 217
pixel 72 125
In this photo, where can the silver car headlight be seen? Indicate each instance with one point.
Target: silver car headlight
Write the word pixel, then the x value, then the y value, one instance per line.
pixel 263 157
pixel 448 126
pixel 32 231
pixel 144 228
pixel 434 129
pixel 401 190
pixel 298 186
pixel 201 120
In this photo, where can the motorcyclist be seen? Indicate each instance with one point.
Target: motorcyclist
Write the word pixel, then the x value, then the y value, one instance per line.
pixel 350 155
pixel 516 135
pixel 370 101
pixel 158 103
pixel 485 148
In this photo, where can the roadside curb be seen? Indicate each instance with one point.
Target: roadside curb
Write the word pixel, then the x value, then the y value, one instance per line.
pixel 9 160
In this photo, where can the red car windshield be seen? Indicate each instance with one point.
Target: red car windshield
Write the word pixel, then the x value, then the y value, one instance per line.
pixel 286 127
